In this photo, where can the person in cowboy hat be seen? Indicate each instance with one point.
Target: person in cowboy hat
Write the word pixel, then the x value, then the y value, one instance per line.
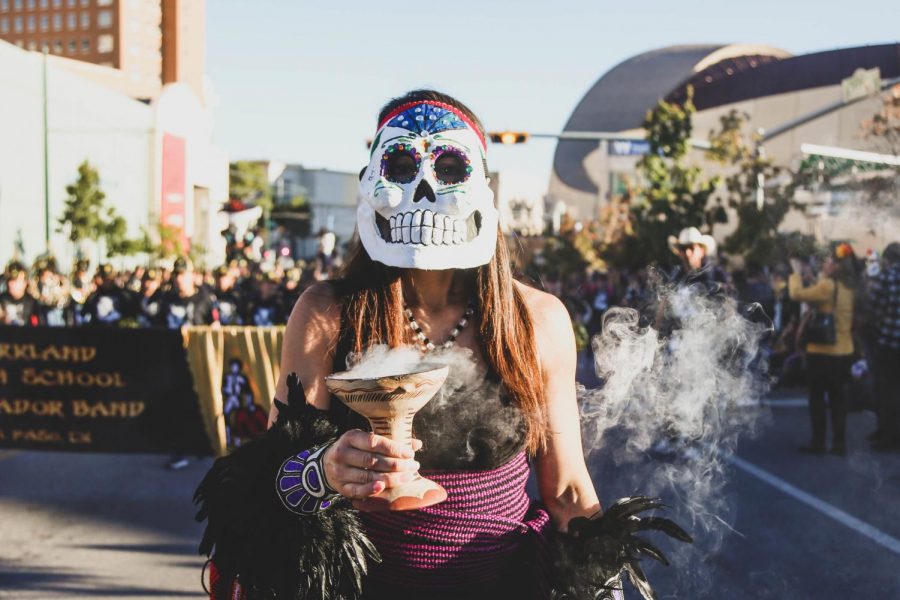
pixel 693 248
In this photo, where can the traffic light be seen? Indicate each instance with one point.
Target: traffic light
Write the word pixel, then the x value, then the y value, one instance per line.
pixel 509 137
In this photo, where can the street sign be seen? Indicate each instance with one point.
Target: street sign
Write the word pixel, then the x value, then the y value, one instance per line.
pixel 863 83
pixel 628 147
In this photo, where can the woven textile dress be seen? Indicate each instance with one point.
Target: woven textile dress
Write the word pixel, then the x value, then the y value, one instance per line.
pixel 487 538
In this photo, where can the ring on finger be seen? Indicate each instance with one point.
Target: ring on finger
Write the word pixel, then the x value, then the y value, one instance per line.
pixel 371 460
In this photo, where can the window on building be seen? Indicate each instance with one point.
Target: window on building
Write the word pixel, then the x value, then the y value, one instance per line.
pixel 45 22
pixel 17 24
pixel 85 45
pixel 45 4
pixel 30 5
pixel 57 46
pixel 20 43
pixel 57 22
pixel 104 2
pixel 17 4
pixel 85 20
pixel 71 20
pixel 4 25
pixel 73 46
pixel 32 45
pixel 57 3
pixel 104 18
pixel 4 5
pixel 105 43
pixel 71 3
pixel 85 3
pixel 30 23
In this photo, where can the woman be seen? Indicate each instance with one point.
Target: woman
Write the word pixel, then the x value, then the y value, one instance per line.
pixel 828 364
pixel 432 271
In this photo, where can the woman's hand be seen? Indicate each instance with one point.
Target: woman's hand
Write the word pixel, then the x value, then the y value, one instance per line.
pixel 796 266
pixel 361 464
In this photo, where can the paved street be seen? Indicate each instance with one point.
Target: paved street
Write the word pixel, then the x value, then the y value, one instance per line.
pixel 806 527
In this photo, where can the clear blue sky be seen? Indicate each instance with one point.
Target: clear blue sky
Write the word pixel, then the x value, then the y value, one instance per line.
pixel 302 81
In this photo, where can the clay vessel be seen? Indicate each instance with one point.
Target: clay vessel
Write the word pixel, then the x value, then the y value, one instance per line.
pixel 389 403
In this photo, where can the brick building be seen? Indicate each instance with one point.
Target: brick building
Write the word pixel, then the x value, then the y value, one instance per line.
pixel 142 44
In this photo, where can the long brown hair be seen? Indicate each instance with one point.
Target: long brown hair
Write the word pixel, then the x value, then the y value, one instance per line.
pixel 372 310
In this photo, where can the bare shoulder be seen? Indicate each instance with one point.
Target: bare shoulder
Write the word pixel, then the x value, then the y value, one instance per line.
pixel 318 299
pixel 317 310
pixel 547 311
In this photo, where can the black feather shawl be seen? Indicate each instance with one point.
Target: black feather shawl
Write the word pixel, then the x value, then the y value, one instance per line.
pixel 589 559
pixel 253 538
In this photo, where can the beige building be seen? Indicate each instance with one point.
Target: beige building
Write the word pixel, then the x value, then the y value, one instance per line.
pixel 142 44
pixel 770 85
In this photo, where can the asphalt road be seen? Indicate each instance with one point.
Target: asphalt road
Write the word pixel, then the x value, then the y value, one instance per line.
pixel 92 525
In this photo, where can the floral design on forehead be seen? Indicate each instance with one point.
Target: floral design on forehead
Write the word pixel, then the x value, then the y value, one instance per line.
pixel 429 118
pixel 425 202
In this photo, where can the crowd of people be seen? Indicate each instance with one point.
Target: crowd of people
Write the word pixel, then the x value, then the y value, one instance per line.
pixel 239 293
pixel 854 369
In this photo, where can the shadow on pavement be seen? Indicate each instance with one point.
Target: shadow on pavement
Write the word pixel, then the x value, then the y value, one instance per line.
pixel 185 548
pixel 72 584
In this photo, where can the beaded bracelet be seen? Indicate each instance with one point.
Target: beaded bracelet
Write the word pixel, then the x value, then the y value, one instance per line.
pixel 301 483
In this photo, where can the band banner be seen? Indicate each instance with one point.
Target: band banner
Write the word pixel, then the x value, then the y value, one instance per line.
pixel 98 389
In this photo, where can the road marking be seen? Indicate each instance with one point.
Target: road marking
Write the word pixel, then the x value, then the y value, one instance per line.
pixel 4 454
pixel 873 533
pixel 786 403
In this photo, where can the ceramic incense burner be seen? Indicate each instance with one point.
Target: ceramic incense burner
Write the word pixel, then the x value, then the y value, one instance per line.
pixel 389 403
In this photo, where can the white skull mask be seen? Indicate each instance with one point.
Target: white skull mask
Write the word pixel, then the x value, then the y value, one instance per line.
pixel 424 200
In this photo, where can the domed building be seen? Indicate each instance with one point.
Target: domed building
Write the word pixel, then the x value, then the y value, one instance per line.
pixel 770 85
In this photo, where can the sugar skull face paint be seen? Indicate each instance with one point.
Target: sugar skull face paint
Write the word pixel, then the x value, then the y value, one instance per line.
pixel 424 200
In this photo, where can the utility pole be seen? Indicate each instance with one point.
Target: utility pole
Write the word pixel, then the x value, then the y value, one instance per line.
pixel 46 159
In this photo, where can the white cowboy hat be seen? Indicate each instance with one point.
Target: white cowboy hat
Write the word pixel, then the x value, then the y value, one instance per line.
pixel 690 236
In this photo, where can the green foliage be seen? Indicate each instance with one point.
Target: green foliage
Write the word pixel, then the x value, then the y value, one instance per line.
pixel 249 183
pixel 165 242
pixel 671 195
pixel 570 252
pixel 85 207
pixel 756 235
pixel 299 202
pixel 87 217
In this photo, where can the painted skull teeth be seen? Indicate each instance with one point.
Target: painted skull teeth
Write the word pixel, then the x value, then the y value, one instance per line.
pixel 428 228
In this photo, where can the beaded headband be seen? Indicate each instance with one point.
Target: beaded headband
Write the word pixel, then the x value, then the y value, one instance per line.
pixel 428 116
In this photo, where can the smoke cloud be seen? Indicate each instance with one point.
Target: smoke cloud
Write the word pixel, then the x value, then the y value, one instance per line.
pixel 682 381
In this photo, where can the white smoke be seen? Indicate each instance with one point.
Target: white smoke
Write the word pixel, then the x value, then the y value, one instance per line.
pixel 681 391
pixel 382 361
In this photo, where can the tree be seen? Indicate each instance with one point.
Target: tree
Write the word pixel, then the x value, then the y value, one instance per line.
pixel 164 243
pixel 670 195
pixel 760 193
pixel 249 183
pixel 87 217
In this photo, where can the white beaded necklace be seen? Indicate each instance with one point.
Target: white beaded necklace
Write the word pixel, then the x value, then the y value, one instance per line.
pixel 426 344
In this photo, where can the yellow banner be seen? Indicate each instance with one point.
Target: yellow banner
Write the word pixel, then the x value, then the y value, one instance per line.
pixel 235 370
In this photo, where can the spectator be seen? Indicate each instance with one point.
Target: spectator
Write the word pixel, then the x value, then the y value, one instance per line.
pixel 266 308
pixel 884 298
pixel 17 306
pixel 828 364
pixel 52 294
pixel 109 304
pixel 185 303
pixel 228 304
pixel 149 298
